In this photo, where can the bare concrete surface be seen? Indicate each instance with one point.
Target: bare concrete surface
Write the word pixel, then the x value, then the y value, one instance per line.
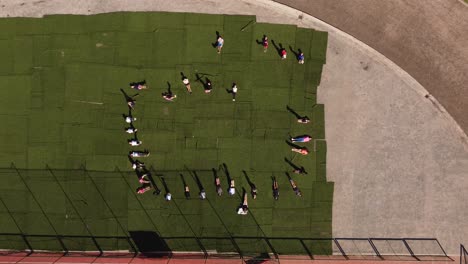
pixel 398 159
pixel 428 39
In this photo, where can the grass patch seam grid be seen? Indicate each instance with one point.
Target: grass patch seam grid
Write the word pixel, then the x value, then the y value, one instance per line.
pixel 63 131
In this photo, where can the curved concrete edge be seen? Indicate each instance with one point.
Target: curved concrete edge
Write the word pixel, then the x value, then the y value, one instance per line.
pixel 308 20
pixel 463 2
pixel 216 7
pixel 366 182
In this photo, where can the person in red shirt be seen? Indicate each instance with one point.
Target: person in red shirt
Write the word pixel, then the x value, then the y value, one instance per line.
pixel 265 43
pixel 284 53
pixel 302 151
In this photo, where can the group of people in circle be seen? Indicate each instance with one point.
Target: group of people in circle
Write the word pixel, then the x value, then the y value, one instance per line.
pixel 144 175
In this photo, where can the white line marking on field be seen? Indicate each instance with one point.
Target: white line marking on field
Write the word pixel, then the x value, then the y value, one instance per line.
pixel 88 102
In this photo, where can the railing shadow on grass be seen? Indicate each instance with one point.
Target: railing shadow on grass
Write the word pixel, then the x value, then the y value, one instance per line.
pixel 149 244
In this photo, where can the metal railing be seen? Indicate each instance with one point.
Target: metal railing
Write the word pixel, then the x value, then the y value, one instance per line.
pixel 463 255
pixel 245 247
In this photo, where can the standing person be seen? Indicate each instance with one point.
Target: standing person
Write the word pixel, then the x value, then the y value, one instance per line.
pixel 302 139
pixel 202 194
pixel 208 86
pixel 301 58
pixel 265 43
pixel 219 190
pixel 275 189
pixel 234 91
pixel 219 43
pixel 283 53
pixel 131 101
pixel 302 151
pixel 168 196
pixel 244 208
pixel 187 192
pixel 186 82
pixel 295 188
pixel 253 191
pixel 232 188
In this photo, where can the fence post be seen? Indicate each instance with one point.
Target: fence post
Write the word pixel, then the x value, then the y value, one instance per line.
pixel 374 248
pixel 409 249
pixel 339 247
pixel 463 254
pixel 306 249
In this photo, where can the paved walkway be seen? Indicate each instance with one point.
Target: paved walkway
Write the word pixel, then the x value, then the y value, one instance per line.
pixel 43 258
pixel 428 39
pixel 399 161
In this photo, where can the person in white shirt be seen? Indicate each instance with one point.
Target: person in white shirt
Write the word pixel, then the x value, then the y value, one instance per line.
pixel 134 141
pixel 168 196
pixel 131 129
pixel 202 194
pixel 219 44
pixel 233 91
pixel 244 208
pixel 232 188
pixel 137 153
pixel 129 118
pixel 186 82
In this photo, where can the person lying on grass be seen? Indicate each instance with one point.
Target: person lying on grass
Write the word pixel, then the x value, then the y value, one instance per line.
pixel 144 188
pixel 302 139
pixel 138 85
pixel 302 151
pixel 138 154
pixel 169 96
pixel 232 188
pixel 295 188
pixel 129 118
pixel 202 194
pixel 219 190
pixel 131 129
pixel 244 207
pixel 275 189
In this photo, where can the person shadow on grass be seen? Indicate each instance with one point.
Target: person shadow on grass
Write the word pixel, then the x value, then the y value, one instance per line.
pixel 129 99
pixel 279 48
pixel 296 169
pixel 300 119
pixel 168 95
pixel 296 54
pixel 215 44
pixel 202 193
pixel 168 195
pixel 253 188
pixel 260 42
pixel 206 84
pixel 186 187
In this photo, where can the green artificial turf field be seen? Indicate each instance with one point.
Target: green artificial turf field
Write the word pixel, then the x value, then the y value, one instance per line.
pixel 63 131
